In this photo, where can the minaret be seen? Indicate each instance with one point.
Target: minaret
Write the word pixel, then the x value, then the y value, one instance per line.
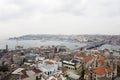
pixel 6 47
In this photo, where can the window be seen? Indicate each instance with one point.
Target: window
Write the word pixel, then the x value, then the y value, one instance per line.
pixel 69 67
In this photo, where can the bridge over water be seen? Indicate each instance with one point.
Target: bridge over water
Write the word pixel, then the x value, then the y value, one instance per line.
pixel 94 45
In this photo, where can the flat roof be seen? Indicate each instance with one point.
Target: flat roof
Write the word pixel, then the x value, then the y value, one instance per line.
pixel 17 71
pixel 73 76
pixel 68 62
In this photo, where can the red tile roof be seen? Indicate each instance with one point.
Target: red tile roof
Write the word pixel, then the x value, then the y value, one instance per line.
pixel 64 70
pixel 24 75
pixel 87 58
pixel 7 56
pixel 79 55
pixel 118 63
pixel 96 53
pixel 87 72
pixel 37 71
pixel 49 62
pixel 101 59
pixel 102 70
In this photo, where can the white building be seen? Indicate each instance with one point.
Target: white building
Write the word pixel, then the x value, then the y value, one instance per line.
pixel 47 66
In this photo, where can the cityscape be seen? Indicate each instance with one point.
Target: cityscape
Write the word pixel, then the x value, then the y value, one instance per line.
pixel 93 61
pixel 59 39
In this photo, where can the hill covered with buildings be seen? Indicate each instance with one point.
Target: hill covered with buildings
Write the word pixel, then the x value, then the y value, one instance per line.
pixel 112 39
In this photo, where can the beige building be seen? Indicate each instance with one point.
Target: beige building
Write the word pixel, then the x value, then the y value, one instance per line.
pixel 74 65
pixel 24 74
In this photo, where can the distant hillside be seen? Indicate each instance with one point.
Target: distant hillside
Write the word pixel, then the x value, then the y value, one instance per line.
pixel 43 37
pixel 113 39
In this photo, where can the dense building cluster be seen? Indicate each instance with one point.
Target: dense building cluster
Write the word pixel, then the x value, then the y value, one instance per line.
pixel 60 63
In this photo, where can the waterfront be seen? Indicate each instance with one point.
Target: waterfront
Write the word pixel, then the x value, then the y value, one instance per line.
pixel 38 43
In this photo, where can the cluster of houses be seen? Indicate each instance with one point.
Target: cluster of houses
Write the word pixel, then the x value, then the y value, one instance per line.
pixel 48 63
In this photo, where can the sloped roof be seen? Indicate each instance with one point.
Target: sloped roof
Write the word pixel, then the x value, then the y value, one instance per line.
pixel 102 70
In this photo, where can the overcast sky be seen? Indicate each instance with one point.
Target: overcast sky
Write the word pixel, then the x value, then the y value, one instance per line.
pixel 19 17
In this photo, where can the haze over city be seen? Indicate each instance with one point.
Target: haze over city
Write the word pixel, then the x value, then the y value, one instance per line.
pixel 19 17
pixel 59 39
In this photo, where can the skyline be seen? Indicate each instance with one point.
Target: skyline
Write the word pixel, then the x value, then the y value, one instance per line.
pixel 21 17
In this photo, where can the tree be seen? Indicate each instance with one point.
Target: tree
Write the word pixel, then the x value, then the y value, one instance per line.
pixel 118 70
pixel 67 76
pixel 3 68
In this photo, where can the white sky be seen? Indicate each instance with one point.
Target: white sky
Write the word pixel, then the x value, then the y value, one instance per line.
pixel 19 17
